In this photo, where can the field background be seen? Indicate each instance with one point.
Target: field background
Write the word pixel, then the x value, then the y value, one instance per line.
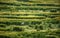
pixel 29 19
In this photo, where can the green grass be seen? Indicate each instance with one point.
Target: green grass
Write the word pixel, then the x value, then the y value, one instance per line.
pixel 29 19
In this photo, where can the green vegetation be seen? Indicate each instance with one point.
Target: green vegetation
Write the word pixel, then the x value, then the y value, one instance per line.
pixel 29 19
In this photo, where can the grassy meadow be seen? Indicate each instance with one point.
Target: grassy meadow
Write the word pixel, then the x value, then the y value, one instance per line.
pixel 29 19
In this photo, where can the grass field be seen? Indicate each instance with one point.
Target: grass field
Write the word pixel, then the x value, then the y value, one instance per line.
pixel 29 19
